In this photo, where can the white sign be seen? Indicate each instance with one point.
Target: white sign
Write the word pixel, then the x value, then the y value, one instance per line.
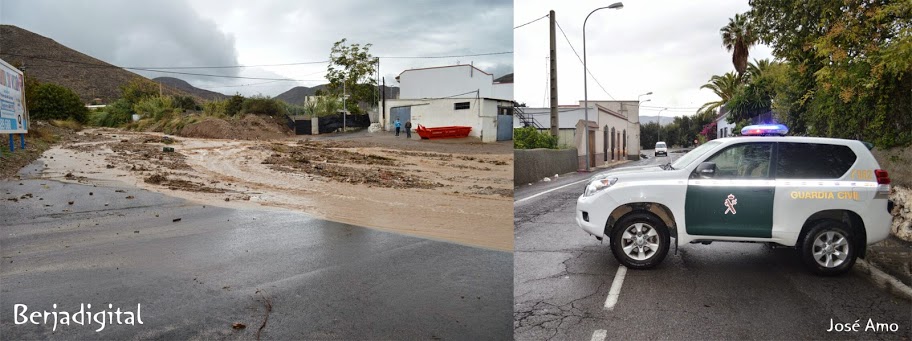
pixel 13 115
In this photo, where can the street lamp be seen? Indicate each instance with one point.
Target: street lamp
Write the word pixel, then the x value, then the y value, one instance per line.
pixel 646 94
pixel 660 124
pixel 616 5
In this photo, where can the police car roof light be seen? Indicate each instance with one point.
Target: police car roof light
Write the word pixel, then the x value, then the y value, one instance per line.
pixel 764 129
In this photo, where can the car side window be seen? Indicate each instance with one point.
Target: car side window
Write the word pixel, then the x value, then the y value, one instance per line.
pixel 743 161
pixel 813 161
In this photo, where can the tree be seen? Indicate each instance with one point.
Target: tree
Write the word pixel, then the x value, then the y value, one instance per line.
pixel 327 106
pixel 737 37
pixel 724 86
pixel 138 89
pixel 850 65
pixel 54 102
pixel 234 105
pixel 351 68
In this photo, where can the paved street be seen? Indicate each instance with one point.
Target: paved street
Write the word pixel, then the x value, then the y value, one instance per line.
pixel 197 276
pixel 563 277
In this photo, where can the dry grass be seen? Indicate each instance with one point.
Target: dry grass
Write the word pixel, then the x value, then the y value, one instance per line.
pixel 69 124
pixel 896 161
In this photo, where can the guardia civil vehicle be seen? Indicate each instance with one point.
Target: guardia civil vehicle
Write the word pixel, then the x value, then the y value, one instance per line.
pixel 826 197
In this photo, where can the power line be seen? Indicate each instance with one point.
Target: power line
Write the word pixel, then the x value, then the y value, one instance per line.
pixel 451 56
pixel 544 16
pixel 581 60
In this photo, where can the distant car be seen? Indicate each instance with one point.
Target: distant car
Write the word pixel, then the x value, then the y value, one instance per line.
pixel 827 198
pixel 661 148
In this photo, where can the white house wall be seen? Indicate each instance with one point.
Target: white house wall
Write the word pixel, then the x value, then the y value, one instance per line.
pixel 481 115
pixel 444 82
pixel 568 117
pixel 503 91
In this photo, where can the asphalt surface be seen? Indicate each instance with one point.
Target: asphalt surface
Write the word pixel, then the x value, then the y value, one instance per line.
pixel 196 277
pixel 562 279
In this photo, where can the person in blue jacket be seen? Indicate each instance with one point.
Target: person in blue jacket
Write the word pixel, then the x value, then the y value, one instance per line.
pixel 398 125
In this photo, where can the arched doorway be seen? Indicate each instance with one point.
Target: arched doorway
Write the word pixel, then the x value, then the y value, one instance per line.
pixel 625 142
pixel 613 143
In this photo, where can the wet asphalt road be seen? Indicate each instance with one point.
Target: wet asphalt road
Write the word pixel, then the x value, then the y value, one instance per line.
pixel 195 277
pixel 562 277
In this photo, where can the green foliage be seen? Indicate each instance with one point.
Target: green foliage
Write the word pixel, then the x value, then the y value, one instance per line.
pixel 52 101
pixel 215 108
pixel 326 106
pixel 186 103
pixel 849 66
pixel 354 66
pixel 262 105
pixel 737 37
pixel 233 107
pixel 114 115
pixel 531 138
pixel 724 86
pixel 156 108
pixel 138 89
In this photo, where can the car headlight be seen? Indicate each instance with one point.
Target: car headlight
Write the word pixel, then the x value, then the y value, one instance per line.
pixel 598 185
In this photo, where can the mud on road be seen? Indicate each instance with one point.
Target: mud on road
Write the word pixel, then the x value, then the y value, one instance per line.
pixel 407 186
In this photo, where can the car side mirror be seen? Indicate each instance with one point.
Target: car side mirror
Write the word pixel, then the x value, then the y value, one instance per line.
pixel 706 170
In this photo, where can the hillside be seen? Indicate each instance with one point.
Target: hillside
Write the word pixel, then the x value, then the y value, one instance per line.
pixel 297 94
pixel 182 85
pixel 49 61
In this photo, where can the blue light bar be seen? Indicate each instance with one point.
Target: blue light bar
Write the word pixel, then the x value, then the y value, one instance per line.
pixel 764 129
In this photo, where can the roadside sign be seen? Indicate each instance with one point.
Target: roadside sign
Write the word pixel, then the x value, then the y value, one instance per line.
pixel 13 114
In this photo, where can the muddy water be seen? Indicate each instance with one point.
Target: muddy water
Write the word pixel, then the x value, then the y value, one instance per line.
pixel 471 206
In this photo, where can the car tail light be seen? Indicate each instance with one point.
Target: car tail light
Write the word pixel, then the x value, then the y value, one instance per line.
pixel 883 178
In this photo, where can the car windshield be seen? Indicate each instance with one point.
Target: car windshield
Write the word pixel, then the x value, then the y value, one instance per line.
pixel 660 145
pixel 694 154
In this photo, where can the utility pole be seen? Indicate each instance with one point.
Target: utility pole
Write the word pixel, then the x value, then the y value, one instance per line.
pixel 344 110
pixel 383 110
pixel 554 121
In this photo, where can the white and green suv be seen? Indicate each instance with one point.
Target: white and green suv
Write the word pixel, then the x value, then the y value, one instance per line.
pixel 825 197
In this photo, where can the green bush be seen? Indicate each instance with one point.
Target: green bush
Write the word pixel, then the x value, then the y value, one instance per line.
pixel 262 105
pixel 156 108
pixel 233 107
pixel 114 115
pixel 531 138
pixel 186 103
pixel 54 102
pixel 215 108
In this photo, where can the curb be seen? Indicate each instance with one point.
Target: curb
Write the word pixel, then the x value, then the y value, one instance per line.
pixel 883 280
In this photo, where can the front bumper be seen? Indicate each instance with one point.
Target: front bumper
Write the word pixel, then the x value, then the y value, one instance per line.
pixel 597 209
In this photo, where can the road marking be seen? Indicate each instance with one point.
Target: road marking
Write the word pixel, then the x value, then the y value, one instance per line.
pixel 615 290
pixel 548 191
pixel 599 335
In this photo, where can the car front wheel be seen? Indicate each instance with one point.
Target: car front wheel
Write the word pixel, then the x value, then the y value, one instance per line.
pixel 640 240
pixel 828 248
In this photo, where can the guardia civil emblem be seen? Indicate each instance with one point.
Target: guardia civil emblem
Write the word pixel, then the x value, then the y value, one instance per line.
pixel 730 203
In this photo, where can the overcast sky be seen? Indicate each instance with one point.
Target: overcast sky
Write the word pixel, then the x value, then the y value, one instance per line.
pixel 243 32
pixel 669 47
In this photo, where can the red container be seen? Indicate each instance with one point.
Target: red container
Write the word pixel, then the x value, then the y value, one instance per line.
pixel 443 132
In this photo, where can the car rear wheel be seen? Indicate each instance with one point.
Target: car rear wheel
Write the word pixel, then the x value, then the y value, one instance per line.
pixel 828 248
pixel 640 240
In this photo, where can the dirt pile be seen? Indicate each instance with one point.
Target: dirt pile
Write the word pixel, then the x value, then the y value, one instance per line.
pixel 248 127
pixel 319 159
pixel 180 184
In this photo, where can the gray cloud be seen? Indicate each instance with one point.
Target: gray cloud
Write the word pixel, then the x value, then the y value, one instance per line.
pixel 129 33
pixel 229 32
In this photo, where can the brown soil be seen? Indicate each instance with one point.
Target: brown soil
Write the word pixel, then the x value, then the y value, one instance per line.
pixel 450 191
pixel 248 127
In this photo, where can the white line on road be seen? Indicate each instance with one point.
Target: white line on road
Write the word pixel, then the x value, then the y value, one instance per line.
pixel 599 335
pixel 548 191
pixel 615 290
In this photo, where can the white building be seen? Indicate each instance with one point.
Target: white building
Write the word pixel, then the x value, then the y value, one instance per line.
pixel 723 128
pixel 614 129
pixel 455 95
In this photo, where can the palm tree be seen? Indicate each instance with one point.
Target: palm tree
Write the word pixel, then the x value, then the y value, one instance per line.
pixel 724 86
pixel 737 37
pixel 757 68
